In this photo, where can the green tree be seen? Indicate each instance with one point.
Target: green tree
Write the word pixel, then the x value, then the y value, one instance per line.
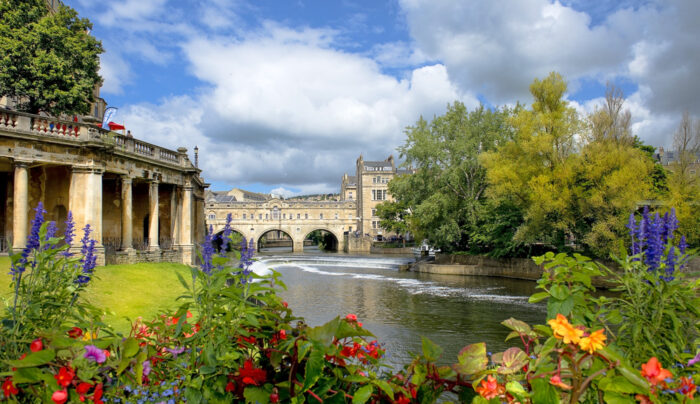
pixel 48 60
pixel 447 192
pixel 533 172
pixel 394 217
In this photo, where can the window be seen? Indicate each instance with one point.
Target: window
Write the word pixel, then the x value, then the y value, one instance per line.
pixel 350 216
pixel 378 194
pixel 284 215
pixel 267 216
pixel 321 216
pixel 259 216
pixel 212 216
pixel 375 224
pixel 275 213
pixel 244 216
pixel 349 195
pixel 306 215
pixel 298 215
pixel 336 216
pixel 374 212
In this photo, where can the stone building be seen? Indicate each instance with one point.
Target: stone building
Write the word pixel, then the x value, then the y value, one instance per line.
pixel 669 158
pixel 370 185
pixel 144 202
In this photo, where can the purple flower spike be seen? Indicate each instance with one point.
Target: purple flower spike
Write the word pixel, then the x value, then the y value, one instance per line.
pixel 94 354
pixel 695 360
pixel 207 253
pixel 146 367
pixel 89 260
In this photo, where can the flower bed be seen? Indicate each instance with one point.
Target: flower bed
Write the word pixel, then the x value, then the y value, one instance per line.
pixel 234 340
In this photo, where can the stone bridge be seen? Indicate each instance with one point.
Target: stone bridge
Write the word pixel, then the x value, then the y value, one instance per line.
pixel 144 202
pixel 297 219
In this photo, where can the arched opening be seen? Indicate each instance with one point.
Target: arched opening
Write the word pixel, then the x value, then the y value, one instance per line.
pixel 320 240
pixel 275 241
pixel 234 242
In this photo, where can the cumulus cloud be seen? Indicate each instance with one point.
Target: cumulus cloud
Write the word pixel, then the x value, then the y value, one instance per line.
pixel 115 72
pixel 282 106
pixel 496 49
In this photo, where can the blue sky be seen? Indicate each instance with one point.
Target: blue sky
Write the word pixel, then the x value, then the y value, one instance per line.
pixel 283 96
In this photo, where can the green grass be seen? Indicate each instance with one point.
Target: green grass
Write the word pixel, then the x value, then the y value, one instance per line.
pixel 135 290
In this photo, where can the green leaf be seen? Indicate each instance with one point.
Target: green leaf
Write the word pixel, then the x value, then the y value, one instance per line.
pixel 304 347
pixel 558 306
pixel 256 395
pixel 538 297
pixel 513 360
pixel 314 367
pixel 419 373
pixel 362 394
pixel 559 292
pixel 27 375
pixel 324 334
pixel 131 347
pixel 543 392
pixel 431 351
pixel 193 396
pixel 518 326
pixel 516 389
pixel 472 359
pixel 34 359
pixel 182 281
pixel 207 369
pixel 611 397
pixel 386 387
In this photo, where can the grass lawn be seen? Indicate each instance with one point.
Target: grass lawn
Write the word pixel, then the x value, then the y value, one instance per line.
pixel 125 290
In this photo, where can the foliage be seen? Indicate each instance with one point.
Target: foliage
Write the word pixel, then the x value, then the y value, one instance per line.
pixel 49 61
pixel 445 196
pixel 574 181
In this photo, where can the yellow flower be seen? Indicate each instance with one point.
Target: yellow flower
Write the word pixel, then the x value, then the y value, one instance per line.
pixel 593 342
pixel 564 330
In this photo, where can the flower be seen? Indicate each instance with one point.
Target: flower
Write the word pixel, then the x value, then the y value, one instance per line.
pixel 83 388
pixel 59 396
pixel 97 394
pixel 65 376
pixel 564 330
pixel 695 360
pixel 36 345
pixel 230 387
pixel 490 388
pixel 351 317
pixel 207 252
pixel 89 260
pixel 75 332
pixel 146 368
pixel 687 387
pixel 654 373
pixel 251 375
pixel 8 388
pixel 593 342
pixel 69 234
pixel 95 354
pixel 51 230
pixel 556 381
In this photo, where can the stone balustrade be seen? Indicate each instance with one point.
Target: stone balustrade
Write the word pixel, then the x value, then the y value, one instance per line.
pixel 66 130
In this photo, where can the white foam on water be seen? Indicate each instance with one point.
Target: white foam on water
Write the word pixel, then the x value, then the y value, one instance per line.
pixel 260 268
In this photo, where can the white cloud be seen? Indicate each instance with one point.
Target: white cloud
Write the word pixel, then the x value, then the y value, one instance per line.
pixel 115 72
pixel 283 107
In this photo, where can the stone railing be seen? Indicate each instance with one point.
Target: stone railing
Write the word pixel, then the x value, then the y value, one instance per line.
pixel 49 127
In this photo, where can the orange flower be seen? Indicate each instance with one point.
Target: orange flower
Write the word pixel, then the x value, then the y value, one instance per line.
pixel 654 373
pixel 564 330
pixel 593 342
pixel 687 387
pixel 556 381
pixel 490 388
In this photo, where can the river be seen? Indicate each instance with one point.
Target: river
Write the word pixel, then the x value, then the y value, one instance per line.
pixel 400 307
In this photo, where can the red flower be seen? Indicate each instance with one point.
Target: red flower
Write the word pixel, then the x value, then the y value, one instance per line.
pixel 401 399
pixel 687 387
pixel 274 398
pixel 75 332
pixel 489 388
pixel 250 375
pixel 36 345
pixel 230 387
pixel 351 317
pixel 283 334
pixel 654 373
pixel 285 304
pixel 59 396
pixel 83 388
pixel 556 381
pixel 97 394
pixel 8 388
pixel 65 376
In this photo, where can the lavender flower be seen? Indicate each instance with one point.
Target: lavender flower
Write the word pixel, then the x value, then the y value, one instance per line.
pixel 226 234
pixel 247 252
pixel 89 260
pixel 51 230
pixel 69 234
pixel 146 367
pixel 176 351
pixel 207 253
pixel 33 242
pixel 695 360
pixel 94 354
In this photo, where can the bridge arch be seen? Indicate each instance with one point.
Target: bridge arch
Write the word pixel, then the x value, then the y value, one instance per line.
pixel 333 243
pixel 283 238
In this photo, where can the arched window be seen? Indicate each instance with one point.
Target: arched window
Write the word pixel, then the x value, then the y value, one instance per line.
pixel 275 213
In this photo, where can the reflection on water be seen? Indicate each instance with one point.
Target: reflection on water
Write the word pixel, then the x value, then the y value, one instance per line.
pixel 400 307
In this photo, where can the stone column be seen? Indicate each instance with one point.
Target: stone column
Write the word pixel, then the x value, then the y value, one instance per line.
pixel 127 219
pixel 20 208
pixel 186 226
pixel 153 216
pixel 85 202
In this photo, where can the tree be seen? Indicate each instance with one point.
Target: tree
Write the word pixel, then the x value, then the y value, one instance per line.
pixel 394 217
pixel 533 171
pixel 446 194
pixel 48 61
pixel 683 183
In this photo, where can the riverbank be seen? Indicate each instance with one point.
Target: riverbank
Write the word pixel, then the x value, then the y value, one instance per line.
pixel 516 268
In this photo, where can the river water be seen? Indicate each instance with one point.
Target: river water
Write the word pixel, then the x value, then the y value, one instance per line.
pixel 400 307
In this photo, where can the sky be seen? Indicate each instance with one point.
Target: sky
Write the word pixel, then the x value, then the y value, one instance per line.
pixel 283 96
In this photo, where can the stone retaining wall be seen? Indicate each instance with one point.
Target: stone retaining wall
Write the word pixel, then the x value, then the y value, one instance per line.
pixel 137 257
pixel 398 250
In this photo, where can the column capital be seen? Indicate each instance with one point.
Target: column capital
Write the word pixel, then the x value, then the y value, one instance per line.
pixel 21 163
pixel 126 179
